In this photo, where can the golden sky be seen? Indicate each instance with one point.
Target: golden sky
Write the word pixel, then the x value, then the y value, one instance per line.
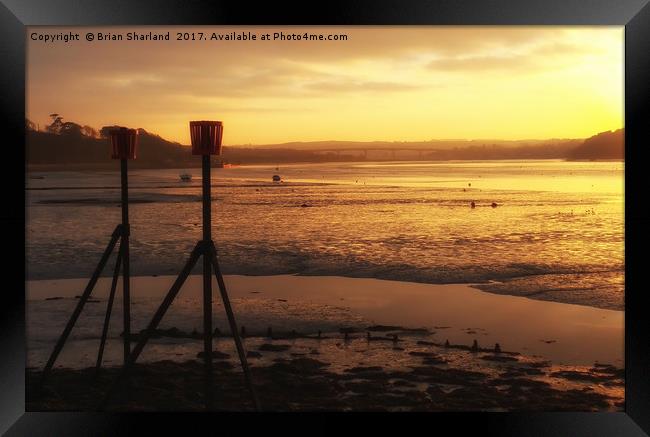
pixel 383 83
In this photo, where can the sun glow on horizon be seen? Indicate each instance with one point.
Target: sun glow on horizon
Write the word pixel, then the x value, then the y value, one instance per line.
pixel 383 83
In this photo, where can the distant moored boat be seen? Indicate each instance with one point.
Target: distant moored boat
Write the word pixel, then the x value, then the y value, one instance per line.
pixel 185 177
pixel 277 178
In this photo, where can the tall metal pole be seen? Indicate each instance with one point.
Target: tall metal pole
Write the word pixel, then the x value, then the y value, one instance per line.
pixel 207 281
pixel 126 274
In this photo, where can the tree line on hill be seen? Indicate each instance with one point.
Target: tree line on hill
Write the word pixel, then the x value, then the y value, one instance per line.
pixel 64 143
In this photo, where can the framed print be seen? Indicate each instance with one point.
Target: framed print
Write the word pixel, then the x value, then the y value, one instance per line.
pixel 433 211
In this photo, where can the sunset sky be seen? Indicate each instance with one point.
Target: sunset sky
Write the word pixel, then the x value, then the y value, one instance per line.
pixel 383 83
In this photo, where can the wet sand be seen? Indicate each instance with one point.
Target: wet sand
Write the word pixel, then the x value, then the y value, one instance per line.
pixel 564 333
pixel 383 345
pixel 311 375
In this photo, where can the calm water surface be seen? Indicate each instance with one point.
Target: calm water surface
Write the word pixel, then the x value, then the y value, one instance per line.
pixel 556 234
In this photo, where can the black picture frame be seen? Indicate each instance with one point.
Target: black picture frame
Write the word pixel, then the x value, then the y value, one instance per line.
pixel 15 15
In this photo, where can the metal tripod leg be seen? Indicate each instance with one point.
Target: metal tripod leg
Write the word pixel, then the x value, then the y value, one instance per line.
pixel 82 301
pixel 233 325
pixel 162 309
pixel 109 308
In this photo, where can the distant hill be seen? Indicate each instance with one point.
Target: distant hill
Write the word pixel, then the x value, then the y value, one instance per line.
pixel 73 146
pixel 76 148
pixel 605 145
pixel 451 144
pixel 73 149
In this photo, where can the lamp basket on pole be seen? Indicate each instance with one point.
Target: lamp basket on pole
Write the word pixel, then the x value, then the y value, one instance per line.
pixel 206 137
pixel 124 143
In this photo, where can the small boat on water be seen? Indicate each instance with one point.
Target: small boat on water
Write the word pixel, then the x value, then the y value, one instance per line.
pixel 185 177
pixel 277 178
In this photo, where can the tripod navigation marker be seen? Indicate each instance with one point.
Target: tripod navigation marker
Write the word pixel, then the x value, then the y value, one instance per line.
pixel 123 146
pixel 206 141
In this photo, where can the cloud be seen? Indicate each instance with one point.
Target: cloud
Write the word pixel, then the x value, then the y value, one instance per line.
pixel 481 63
pixel 273 81
pixel 132 80
pixel 532 57
pixel 345 86
pixel 151 83
pixel 241 80
pixel 564 48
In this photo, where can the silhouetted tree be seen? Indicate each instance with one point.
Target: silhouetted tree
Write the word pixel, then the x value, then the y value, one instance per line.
pixel 55 126
pixel 89 131
pixel 70 129
pixel 29 125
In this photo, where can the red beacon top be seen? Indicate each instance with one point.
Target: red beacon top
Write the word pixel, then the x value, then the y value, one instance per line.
pixel 206 137
pixel 124 143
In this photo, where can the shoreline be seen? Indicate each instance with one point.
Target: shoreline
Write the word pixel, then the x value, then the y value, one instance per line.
pixel 102 166
pixel 486 286
pixel 564 333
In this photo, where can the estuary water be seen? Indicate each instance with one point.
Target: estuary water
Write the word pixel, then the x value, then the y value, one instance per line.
pixel 556 233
